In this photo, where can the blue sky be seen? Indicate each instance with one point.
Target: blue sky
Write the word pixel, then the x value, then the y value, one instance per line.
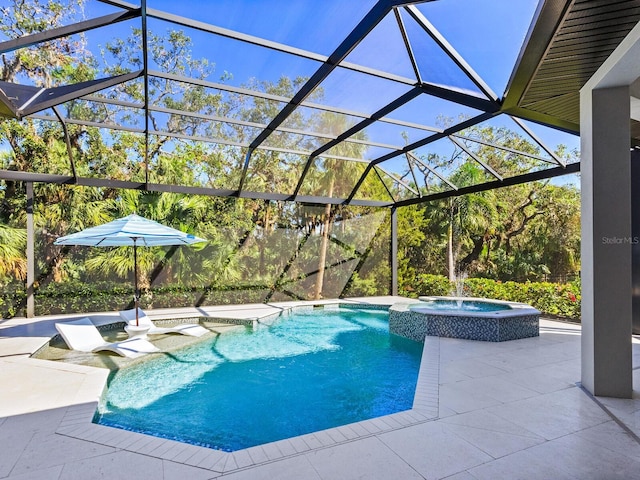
pixel 487 33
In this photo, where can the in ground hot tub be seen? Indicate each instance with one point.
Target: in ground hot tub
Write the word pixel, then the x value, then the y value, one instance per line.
pixel 467 318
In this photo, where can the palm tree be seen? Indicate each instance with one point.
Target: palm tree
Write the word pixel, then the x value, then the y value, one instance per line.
pixel 463 218
pixel 331 170
pixel 179 211
pixel 12 247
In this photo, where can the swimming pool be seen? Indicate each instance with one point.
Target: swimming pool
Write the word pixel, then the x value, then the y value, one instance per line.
pixel 305 372
pixel 461 305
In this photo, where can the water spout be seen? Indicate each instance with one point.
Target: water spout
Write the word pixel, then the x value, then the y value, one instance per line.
pixel 460 278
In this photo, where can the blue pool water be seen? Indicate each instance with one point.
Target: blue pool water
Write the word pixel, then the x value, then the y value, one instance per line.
pixel 305 372
pixel 467 305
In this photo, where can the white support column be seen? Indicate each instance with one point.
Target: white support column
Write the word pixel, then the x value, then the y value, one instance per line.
pixel 606 241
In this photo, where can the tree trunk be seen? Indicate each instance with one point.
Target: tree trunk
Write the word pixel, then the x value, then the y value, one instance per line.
pixel 262 243
pixel 478 246
pixel 317 292
pixel 450 260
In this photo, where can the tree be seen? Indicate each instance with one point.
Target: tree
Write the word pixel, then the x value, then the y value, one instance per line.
pixel 528 231
pixel 12 244
pixel 334 177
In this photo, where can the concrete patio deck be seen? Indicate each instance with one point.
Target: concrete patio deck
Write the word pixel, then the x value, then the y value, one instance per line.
pixel 510 410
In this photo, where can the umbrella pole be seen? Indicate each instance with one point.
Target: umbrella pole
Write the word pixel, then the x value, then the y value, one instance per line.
pixel 135 277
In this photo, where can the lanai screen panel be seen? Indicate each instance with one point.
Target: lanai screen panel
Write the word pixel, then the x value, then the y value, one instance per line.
pixel 262 112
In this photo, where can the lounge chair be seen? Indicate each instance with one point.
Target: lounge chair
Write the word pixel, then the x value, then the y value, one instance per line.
pixel 192 329
pixel 82 335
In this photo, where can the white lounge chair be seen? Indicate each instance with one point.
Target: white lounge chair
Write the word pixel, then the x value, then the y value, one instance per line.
pixel 82 335
pixel 192 329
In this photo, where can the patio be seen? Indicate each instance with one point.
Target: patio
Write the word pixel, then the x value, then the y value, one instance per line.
pixel 482 410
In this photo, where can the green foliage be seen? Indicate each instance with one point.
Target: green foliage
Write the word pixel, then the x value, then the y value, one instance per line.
pixel 425 284
pixel 13 243
pixel 531 233
pixel 12 300
pixel 105 296
pixel 554 299
pixel 362 287
pixel 255 248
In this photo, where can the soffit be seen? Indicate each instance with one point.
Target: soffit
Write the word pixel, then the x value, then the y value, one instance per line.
pixel 566 44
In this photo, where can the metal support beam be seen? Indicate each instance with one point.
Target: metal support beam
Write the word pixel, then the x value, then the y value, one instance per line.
pixel 370 20
pixel 506 149
pixel 437 136
pixel 432 170
pixel 244 123
pixel 31 257
pixel 279 98
pixel 359 183
pixel 413 175
pixel 543 119
pixel 111 126
pixel 384 184
pixel 420 143
pixel 397 180
pixel 245 169
pixel 507 182
pixel 24 100
pixel 155 187
pixel 536 139
pixel 393 260
pixel 398 102
pixel 451 52
pixel 307 166
pixel 462 98
pixel 407 45
pixel 477 159
pixel 55 33
pixel 145 63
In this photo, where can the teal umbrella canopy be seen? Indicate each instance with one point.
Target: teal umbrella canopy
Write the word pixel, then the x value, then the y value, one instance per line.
pixel 132 230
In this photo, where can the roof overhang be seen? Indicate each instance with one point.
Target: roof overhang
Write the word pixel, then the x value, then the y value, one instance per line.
pixel 566 44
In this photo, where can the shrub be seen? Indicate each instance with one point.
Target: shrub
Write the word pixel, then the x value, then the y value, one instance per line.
pixel 77 297
pixel 425 284
pixel 13 300
pixel 361 287
pixel 561 300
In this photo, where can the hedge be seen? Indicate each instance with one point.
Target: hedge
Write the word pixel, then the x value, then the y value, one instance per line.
pixel 427 285
pixel 561 300
pixel 75 297
pixel 553 299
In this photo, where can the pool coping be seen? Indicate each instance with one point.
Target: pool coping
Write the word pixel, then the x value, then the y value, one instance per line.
pixel 516 308
pixel 78 421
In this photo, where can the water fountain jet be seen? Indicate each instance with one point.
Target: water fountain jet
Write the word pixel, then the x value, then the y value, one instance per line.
pixel 459 284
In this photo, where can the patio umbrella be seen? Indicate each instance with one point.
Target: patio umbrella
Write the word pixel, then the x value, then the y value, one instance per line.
pixel 131 230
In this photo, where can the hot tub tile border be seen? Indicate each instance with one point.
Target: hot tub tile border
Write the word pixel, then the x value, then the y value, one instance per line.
pixel 421 324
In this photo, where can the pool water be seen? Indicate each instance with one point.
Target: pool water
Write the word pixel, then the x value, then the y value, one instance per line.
pixel 305 372
pixel 466 305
